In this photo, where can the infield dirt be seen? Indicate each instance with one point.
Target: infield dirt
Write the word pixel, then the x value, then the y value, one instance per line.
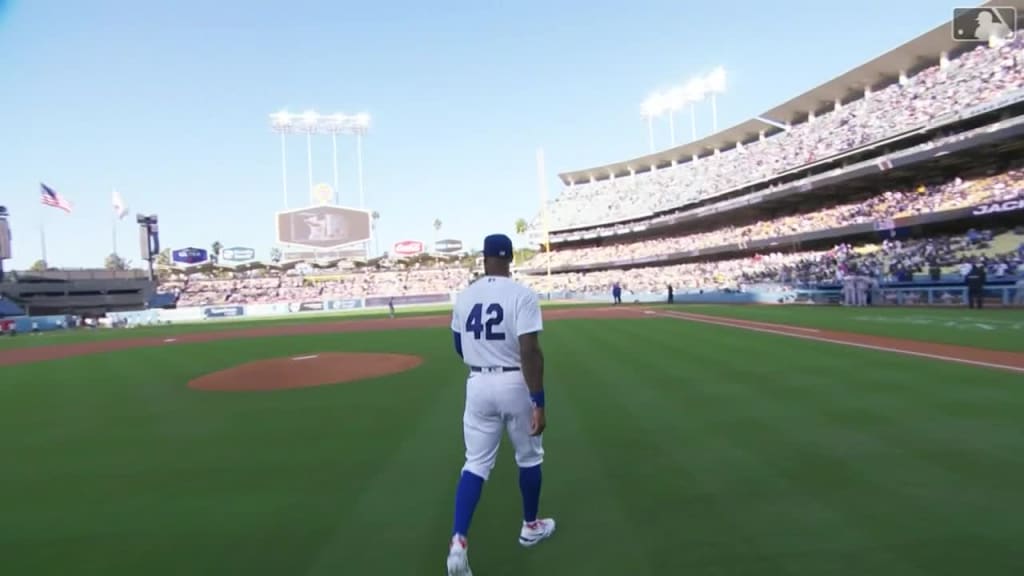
pixel 304 371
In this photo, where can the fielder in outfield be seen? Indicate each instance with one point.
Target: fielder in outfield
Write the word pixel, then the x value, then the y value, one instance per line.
pixel 496 326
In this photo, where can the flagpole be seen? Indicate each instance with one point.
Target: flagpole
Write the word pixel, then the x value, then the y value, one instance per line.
pixel 113 224
pixel 42 242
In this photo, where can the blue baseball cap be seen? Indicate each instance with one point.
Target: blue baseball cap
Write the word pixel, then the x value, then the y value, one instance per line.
pixel 498 246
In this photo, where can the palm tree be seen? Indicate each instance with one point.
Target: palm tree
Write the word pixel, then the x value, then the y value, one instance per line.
pixel 38 266
pixel 521 226
pixel 376 239
pixel 437 229
pixel 215 251
pixel 115 262
pixel 275 255
pixel 164 257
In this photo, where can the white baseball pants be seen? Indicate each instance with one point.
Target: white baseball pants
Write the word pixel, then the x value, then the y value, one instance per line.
pixel 495 403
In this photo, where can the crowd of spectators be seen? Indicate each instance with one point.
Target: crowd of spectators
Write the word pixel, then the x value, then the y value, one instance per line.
pixel 923 199
pixel 269 286
pixel 891 261
pixel 974 78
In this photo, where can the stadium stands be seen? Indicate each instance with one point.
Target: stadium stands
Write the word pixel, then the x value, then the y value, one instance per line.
pixel 956 193
pixel 268 286
pixel 891 261
pixel 976 77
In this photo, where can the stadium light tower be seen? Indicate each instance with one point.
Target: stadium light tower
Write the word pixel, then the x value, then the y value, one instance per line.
pixel 715 84
pixel 649 110
pixel 674 100
pixel 282 123
pixel 309 124
pixel 360 125
pixel 694 90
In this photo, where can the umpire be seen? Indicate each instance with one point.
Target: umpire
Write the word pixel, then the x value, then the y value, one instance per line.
pixel 975 286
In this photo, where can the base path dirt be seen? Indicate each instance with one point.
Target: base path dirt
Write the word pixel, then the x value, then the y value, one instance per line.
pixel 41 353
pixel 305 371
pixel 1012 361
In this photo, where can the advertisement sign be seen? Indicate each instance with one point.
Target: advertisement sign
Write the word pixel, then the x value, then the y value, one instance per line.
pixel 306 307
pixel 223 311
pixel 5 236
pixel 323 227
pixel 412 299
pixel 407 248
pixel 344 304
pixel 190 314
pixel 999 207
pixel 189 256
pixel 237 254
pixel 448 246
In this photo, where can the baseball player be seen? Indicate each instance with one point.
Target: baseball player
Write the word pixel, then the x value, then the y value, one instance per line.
pixel 391 307
pixel 496 326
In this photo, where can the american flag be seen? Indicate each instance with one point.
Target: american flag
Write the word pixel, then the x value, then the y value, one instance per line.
pixel 51 198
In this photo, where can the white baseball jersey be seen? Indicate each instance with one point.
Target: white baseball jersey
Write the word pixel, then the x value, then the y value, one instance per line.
pixel 491 314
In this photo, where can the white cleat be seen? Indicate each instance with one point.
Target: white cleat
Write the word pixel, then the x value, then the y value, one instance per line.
pixel 533 532
pixel 458 557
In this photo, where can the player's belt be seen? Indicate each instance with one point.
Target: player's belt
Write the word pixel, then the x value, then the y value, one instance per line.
pixel 493 369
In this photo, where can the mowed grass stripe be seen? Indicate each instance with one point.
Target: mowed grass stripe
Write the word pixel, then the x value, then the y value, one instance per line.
pixel 674 448
pixel 894 442
pixel 281 466
pixel 775 417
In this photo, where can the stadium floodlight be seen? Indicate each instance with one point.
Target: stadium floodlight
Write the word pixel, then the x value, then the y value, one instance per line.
pixel 650 109
pixel 695 90
pixel 715 84
pixel 674 99
pixel 282 122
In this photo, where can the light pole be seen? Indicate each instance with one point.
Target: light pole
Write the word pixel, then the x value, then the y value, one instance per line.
pixel 715 84
pixel 650 109
pixel 674 100
pixel 281 122
pixel 694 93
pixel 310 125
pixel 360 125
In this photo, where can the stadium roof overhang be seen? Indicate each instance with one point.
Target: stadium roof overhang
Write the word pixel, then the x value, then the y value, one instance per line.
pixel 924 51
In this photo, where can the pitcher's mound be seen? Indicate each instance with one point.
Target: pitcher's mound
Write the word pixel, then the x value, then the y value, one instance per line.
pixel 305 371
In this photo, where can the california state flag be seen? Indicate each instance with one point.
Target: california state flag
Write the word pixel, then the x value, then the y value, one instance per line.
pixel 120 208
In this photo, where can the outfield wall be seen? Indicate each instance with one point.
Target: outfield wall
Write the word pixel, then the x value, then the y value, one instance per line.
pixel 951 296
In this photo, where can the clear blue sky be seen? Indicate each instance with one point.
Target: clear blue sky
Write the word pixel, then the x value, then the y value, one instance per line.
pixel 168 100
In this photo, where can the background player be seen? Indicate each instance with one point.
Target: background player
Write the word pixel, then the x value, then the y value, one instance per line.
pixel 496 325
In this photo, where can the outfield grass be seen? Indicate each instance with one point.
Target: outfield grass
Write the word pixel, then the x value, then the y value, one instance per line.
pixel 673 448
pixel 994 329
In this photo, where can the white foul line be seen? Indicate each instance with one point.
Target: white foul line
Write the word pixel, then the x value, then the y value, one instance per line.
pixel 681 316
pixel 738 322
pixel 310 357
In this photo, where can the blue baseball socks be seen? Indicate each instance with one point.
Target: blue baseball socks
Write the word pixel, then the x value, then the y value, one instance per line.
pixel 467 495
pixel 529 486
